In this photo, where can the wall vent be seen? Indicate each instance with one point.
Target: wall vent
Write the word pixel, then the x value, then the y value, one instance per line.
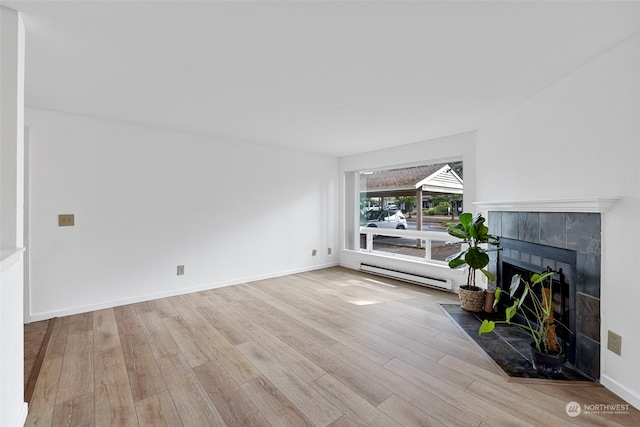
pixel 417 279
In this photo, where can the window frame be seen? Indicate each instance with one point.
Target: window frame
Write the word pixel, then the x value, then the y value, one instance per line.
pixel 428 237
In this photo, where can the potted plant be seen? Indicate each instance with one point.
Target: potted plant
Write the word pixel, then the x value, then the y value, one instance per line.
pixel 533 300
pixel 474 234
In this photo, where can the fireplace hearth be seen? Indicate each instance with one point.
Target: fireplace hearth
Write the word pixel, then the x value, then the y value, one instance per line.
pixel 508 347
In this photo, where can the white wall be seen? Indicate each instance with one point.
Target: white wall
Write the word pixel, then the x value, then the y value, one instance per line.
pixel 589 125
pixel 12 129
pixel 13 409
pixel 146 200
pixel 437 150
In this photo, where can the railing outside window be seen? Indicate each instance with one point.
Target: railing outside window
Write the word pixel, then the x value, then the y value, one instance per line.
pixel 429 246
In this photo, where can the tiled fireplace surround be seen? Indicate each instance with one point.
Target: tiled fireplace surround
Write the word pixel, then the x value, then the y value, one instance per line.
pixel 577 231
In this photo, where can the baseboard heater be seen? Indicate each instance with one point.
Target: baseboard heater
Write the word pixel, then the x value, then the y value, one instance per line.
pixel 408 277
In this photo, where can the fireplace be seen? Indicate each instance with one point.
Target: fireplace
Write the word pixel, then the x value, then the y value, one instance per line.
pixel 569 244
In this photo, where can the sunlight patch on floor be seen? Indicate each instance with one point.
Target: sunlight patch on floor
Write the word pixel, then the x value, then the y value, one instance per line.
pixel 364 302
pixel 378 282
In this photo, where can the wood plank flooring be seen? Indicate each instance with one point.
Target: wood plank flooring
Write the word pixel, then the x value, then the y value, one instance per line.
pixel 332 347
pixel 36 335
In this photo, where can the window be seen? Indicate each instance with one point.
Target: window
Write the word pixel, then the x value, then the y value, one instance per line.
pixel 405 212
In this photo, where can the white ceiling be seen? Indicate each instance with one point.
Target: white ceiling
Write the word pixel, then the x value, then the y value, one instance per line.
pixel 329 77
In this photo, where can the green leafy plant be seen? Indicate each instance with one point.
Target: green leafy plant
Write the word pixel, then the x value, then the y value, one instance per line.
pixel 542 324
pixel 474 234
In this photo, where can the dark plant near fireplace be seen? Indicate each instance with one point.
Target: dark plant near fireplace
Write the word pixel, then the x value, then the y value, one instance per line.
pixel 533 299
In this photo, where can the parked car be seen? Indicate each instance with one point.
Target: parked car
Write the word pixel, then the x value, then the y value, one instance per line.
pixel 387 218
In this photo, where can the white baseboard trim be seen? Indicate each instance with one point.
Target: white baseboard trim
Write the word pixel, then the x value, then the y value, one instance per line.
pixel 23 415
pixel 620 390
pixel 35 317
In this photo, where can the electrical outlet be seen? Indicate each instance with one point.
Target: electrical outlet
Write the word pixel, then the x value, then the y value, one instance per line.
pixel 329 251
pixel 66 220
pixel 180 270
pixel 614 343
pixel 314 252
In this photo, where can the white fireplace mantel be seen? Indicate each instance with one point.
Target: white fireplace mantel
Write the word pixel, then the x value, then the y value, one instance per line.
pixel 583 204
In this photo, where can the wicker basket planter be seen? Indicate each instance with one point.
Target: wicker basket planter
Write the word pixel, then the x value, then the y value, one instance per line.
pixel 471 300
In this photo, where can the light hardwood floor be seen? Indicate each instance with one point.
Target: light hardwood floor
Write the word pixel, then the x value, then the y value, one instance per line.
pixel 332 347
pixel 35 337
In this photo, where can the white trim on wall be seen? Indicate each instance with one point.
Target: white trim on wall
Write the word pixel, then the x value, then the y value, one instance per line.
pixel 584 204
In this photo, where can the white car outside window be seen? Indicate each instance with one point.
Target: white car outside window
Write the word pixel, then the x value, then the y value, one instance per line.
pixel 388 218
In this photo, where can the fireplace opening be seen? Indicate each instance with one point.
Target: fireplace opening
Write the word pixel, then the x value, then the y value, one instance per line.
pixel 526 259
pixel 560 300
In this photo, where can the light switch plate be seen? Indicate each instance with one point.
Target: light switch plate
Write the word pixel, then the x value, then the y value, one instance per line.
pixel 66 220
